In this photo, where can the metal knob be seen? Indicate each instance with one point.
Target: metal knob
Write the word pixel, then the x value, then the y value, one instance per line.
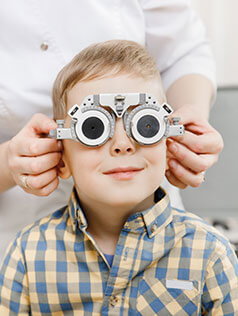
pixel 175 120
pixel 60 123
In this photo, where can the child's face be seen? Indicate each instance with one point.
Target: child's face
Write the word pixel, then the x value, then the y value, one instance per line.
pixel 120 173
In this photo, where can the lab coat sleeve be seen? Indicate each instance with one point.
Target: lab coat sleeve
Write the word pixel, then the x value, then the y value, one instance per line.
pixel 176 37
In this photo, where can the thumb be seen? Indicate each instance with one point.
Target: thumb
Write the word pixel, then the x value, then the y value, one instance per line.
pixel 41 124
pixel 188 115
pixel 192 120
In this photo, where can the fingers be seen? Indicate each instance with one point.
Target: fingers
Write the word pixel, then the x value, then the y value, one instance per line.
pixel 186 167
pixel 43 191
pixel 32 155
pixel 41 184
pixel 199 135
pixel 174 181
pixel 41 124
pixel 193 153
pixel 181 177
pixel 39 181
pixel 36 146
pixel 189 114
pixel 36 165
pixel 189 159
pixel 208 143
pixel 41 173
pixel 29 141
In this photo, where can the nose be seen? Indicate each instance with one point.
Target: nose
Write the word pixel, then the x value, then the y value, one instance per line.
pixel 121 144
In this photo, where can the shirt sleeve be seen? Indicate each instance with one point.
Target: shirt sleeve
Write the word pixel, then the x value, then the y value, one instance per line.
pixel 220 291
pixel 176 37
pixel 14 296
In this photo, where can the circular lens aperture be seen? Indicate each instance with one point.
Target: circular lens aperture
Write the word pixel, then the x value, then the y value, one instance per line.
pixel 148 126
pixel 93 127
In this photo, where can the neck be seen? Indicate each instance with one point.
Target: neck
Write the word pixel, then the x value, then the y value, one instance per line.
pixel 105 222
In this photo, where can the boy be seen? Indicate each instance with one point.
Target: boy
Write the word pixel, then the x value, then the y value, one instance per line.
pixel 118 248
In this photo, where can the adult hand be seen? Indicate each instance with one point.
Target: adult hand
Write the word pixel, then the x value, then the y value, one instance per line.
pixel 190 155
pixel 33 158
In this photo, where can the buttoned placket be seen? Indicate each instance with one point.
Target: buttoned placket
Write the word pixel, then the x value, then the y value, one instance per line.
pixel 125 257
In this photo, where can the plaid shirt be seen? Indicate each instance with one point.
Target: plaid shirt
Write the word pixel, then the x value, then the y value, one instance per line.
pixel 167 262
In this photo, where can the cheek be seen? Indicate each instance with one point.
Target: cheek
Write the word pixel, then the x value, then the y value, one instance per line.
pixel 156 156
pixel 84 161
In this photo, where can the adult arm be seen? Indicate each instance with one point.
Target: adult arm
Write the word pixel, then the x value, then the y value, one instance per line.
pixel 30 153
pixel 6 179
pixel 199 148
pixel 176 38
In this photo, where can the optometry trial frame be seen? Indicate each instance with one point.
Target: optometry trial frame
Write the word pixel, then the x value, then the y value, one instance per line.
pixel 93 121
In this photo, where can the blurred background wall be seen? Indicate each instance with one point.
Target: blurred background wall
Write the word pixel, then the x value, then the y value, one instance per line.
pixel 217 197
pixel 221 20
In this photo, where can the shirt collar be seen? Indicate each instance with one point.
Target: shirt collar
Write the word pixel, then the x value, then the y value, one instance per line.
pixel 76 214
pixel 153 219
pixel 160 215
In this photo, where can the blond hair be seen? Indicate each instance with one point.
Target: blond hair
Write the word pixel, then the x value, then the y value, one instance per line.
pixel 101 60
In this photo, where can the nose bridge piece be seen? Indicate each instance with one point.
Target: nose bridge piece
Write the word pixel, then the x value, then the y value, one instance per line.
pixel 119 102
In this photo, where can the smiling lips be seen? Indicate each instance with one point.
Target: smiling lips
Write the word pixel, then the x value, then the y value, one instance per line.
pixel 123 173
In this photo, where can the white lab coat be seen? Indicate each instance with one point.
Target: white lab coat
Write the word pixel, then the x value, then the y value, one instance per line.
pixel 169 28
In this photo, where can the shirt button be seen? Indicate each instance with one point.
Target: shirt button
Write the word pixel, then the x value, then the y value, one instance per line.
pixel 44 46
pixel 153 228
pixel 113 300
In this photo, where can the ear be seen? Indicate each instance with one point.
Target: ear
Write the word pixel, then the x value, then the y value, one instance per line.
pixel 63 168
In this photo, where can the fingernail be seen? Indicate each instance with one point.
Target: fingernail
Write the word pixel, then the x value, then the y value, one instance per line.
pixel 173 164
pixel 52 125
pixel 59 144
pixel 174 147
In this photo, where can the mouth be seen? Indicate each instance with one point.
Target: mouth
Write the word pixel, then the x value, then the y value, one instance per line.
pixel 123 173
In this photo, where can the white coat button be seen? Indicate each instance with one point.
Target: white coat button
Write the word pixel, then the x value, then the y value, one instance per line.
pixel 44 46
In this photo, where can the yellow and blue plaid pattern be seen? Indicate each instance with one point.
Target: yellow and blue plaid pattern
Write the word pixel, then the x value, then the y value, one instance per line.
pixel 167 262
